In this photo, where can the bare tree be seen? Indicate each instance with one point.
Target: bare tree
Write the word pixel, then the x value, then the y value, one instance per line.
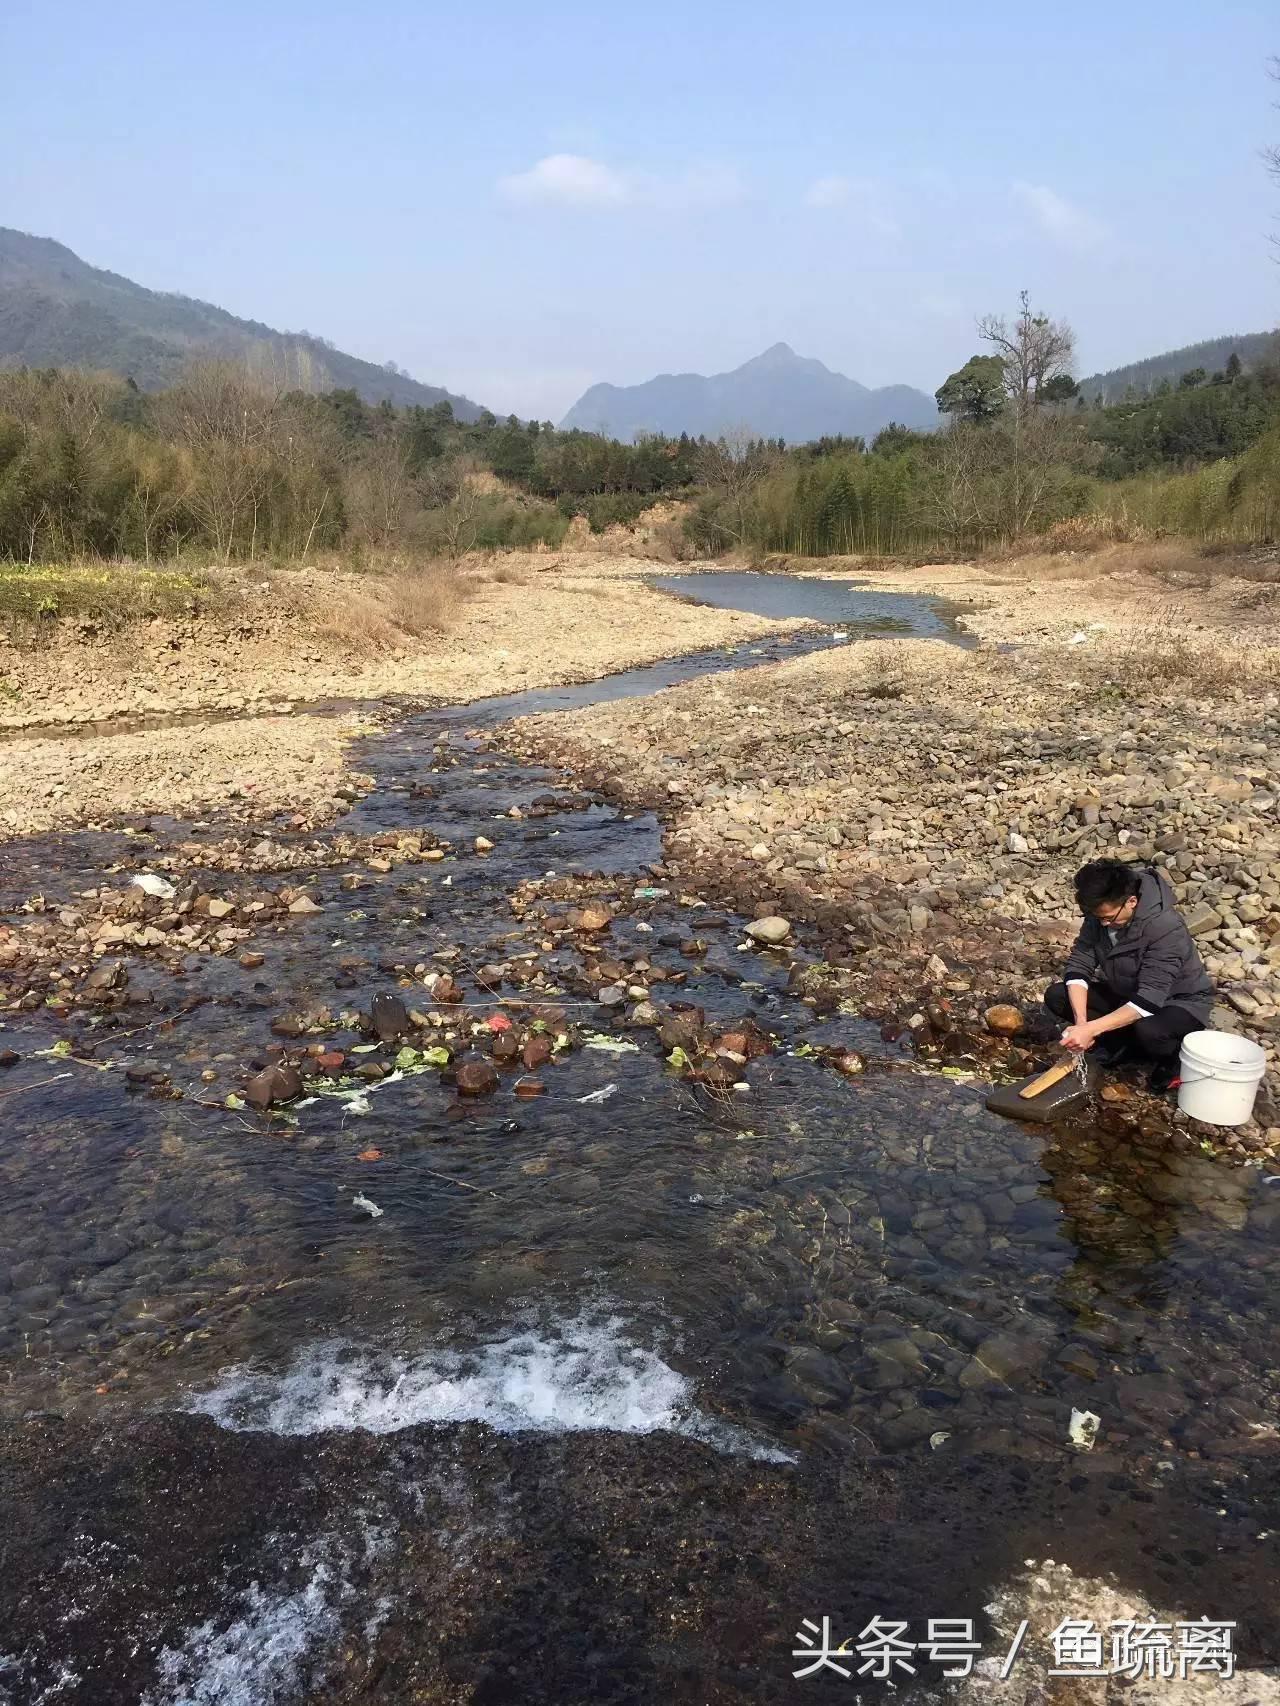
pixel 734 465
pixel 225 416
pixel 157 498
pixel 1004 480
pixel 1035 350
pixel 381 488
pixel 453 487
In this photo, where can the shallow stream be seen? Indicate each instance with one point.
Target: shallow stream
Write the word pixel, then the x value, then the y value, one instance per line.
pixel 618 1384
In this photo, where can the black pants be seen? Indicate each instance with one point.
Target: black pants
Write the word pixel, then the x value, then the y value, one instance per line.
pixel 1159 1037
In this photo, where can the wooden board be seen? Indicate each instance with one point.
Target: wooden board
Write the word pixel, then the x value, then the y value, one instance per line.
pixel 1047 1080
pixel 1065 1096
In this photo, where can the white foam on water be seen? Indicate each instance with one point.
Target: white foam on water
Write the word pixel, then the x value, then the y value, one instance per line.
pixel 258 1656
pixel 580 1377
pixel 275 1641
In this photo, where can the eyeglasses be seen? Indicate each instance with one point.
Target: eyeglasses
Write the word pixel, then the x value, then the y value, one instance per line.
pixel 1111 914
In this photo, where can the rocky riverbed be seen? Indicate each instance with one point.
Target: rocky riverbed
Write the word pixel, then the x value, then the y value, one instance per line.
pixel 927 806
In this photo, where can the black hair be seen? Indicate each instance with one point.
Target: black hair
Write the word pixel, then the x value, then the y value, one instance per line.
pixel 1106 882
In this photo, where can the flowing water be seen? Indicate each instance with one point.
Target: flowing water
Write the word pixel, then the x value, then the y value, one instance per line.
pixel 617 1385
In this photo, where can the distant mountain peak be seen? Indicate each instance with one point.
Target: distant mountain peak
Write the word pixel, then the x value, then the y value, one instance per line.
pixel 777 394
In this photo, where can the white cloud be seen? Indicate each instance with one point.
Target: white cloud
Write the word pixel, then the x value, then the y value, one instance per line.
pixel 571 179
pixel 1067 225
pixel 827 192
pixel 870 202
pixel 575 180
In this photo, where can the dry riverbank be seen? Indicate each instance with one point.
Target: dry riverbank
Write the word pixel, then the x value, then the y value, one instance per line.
pixel 533 620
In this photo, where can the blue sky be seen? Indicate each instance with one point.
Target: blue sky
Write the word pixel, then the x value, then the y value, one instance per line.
pixel 516 201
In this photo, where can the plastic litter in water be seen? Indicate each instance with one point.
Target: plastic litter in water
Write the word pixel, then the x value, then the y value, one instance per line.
pixel 157 887
pixel 1083 1431
pixel 601 1095
pixel 573 1377
pixel 610 1045
pixel 370 1208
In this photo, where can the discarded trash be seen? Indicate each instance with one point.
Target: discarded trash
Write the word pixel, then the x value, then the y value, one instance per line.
pixel 601 1095
pixel 155 886
pixel 370 1208
pixel 940 1438
pixel 606 1044
pixel 839 634
pixel 649 894
pixel 1079 638
pixel 1084 1429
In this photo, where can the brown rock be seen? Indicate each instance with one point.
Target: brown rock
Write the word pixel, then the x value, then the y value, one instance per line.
pixel 591 918
pixel 536 1051
pixel 446 990
pixel 530 1087
pixel 251 962
pixel 304 903
pixel 505 1048
pixel 716 1075
pixel 1004 1020
pixel 279 1083
pixel 476 1078
pixel 104 976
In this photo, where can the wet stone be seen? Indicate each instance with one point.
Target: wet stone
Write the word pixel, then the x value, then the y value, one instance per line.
pixel 389 1018
pixel 475 1078
pixel 275 1084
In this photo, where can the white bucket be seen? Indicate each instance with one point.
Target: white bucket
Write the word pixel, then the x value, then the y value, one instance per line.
pixel 1220 1077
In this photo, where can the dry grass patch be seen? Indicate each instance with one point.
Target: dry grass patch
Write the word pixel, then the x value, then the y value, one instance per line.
pixel 383 613
pixel 508 574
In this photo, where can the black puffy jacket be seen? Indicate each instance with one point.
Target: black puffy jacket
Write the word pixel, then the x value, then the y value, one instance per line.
pixel 1153 961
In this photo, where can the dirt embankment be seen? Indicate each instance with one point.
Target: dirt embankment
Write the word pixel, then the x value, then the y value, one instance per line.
pixel 529 621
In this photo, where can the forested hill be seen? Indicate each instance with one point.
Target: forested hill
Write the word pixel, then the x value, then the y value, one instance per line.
pixel 57 311
pixel 1140 378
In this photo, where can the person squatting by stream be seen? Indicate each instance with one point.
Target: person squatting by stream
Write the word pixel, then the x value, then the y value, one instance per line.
pixel 1134 983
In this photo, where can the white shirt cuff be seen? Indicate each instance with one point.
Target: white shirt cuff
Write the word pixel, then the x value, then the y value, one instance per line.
pixel 1083 983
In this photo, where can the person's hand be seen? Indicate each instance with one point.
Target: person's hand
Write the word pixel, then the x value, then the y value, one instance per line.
pixel 1078 1038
